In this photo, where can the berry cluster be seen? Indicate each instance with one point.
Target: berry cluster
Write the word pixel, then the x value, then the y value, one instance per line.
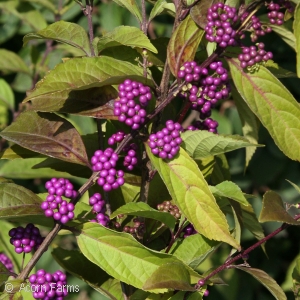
pixel 25 239
pixel 167 206
pixel 208 124
pixel 48 286
pixel 137 230
pixel 221 19
pixel 116 138
pixel 130 160
pixel 275 16
pixel 60 187
pixel 126 108
pixel 5 260
pixel 190 72
pixel 54 205
pixel 252 56
pixel 99 208
pixel 189 230
pixel 165 143
pixel 255 26
pixel 104 162
pixel 213 87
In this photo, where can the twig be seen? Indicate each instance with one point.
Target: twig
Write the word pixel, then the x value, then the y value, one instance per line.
pixel 228 263
pixel 88 12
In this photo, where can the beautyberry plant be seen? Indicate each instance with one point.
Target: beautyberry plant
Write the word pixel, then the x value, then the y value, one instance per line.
pixel 117 142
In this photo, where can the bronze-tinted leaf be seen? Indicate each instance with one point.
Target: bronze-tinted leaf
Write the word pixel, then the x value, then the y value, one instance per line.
pixel 47 134
pixel 183 44
pixel 199 12
pixel 273 210
pixel 93 102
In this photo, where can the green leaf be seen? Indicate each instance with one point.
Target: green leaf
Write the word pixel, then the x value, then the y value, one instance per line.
pixel 10 62
pixel 194 249
pixel 78 265
pixel 200 143
pixel 33 18
pixel 220 169
pixel 285 34
pixel 273 210
pixel 28 169
pixel 47 134
pixel 230 190
pixel 144 210
pixel 16 151
pixel 121 256
pixel 191 193
pixel 199 12
pixel 249 121
pixel 294 185
pixel 84 73
pixel 279 72
pixel 296 27
pixel 46 3
pixel 169 275
pixel 132 7
pixel 6 95
pixel 296 271
pixel 183 44
pixel 16 200
pixel 8 28
pixel 273 104
pixel 64 32
pixel 160 7
pixel 93 102
pixel 266 280
pixel 127 36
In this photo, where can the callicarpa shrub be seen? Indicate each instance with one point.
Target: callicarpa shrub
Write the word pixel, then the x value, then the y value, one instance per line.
pixel 116 150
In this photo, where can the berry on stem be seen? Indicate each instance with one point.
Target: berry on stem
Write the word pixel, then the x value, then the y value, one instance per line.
pixel 105 162
pixel 165 143
pixel 48 286
pixel 26 238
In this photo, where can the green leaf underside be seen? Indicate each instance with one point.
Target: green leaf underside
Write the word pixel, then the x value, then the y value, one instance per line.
pixel 191 193
pixel 273 104
pixel 10 62
pixel 273 210
pixel 199 12
pixel 296 27
pixel 144 210
pixel 84 73
pixel 230 190
pixel 121 256
pixel 16 201
pixel 132 7
pixel 200 143
pixel 194 249
pixel 127 36
pixel 93 102
pixel 183 44
pixel 249 121
pixel 266 280
pixel 47 134
pixel 77 264
pixel 64 32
